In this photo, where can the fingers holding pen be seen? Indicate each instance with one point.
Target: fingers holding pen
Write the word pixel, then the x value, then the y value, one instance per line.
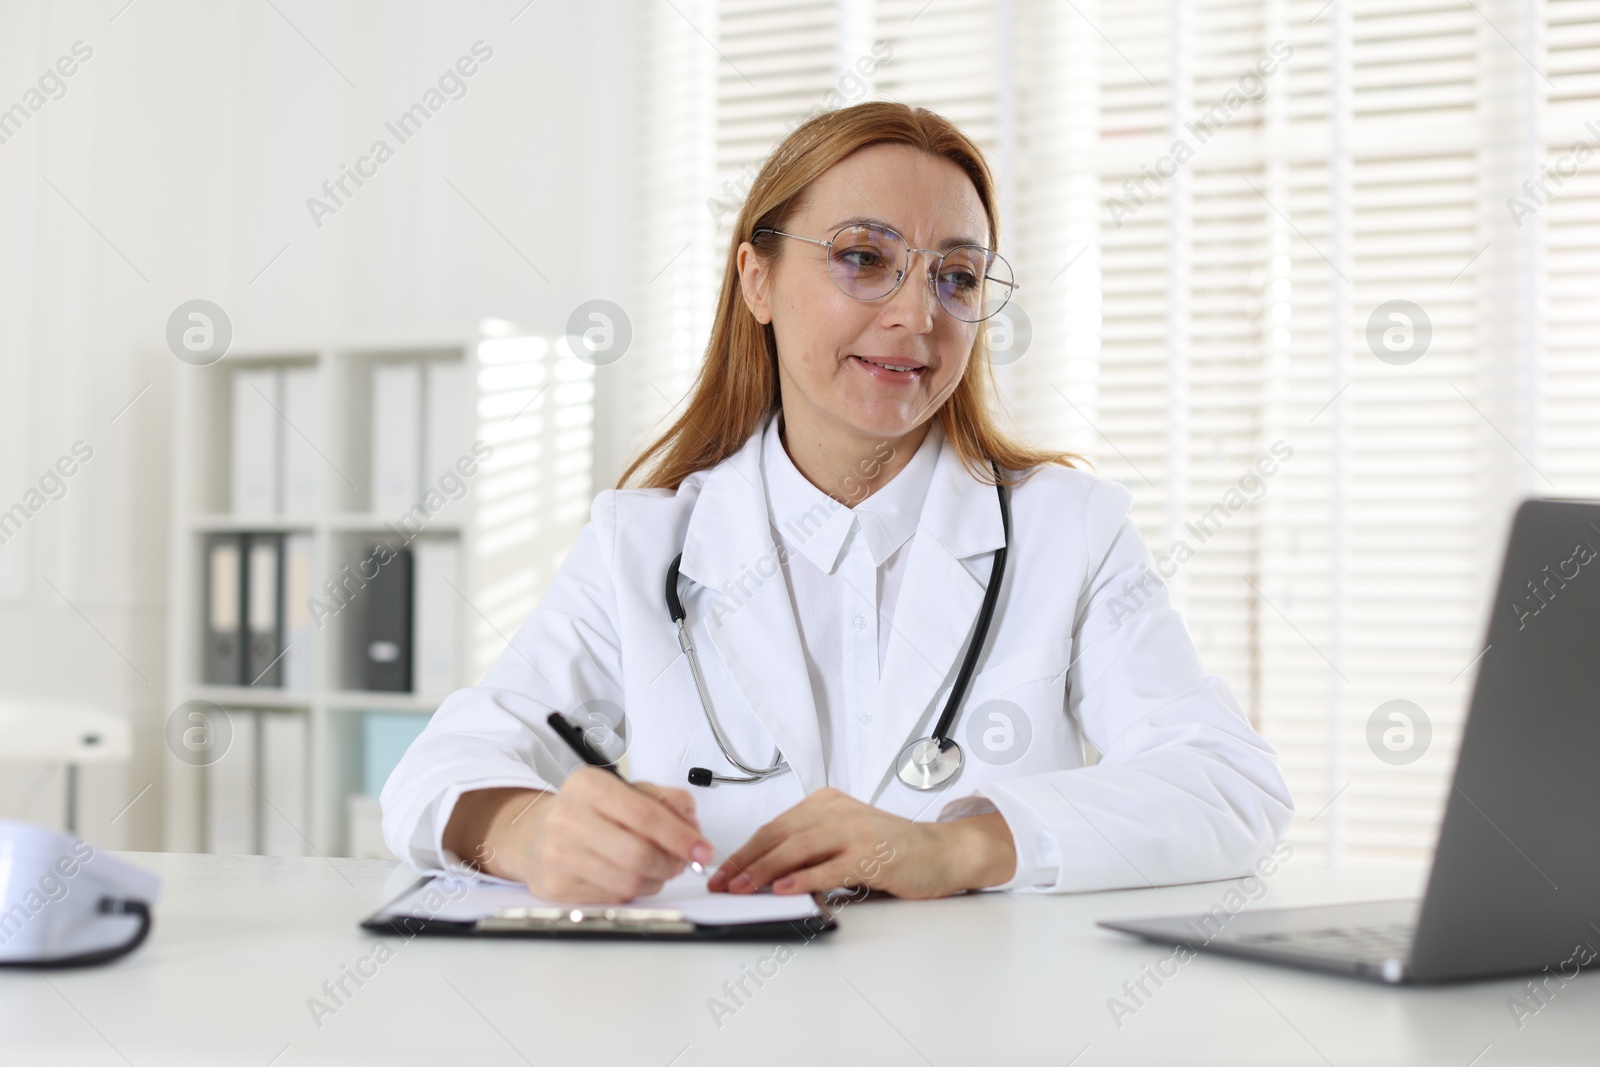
pixel 663 817
pixel 680 801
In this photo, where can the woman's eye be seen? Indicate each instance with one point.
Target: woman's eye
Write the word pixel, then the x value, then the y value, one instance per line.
pixel 960 279
pixel 861 258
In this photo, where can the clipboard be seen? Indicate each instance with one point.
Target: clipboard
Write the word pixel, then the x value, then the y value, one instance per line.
pixel 444 905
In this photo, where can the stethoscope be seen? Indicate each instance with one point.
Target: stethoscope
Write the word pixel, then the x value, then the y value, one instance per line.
pixel 925 763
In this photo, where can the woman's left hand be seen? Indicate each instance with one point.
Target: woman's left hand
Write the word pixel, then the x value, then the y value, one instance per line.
pixel 831 839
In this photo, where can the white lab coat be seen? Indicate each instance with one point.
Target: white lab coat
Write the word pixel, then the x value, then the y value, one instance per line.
pixel 1185 790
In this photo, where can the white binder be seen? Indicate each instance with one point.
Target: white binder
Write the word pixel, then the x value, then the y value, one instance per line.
pixel 284 809
pixel 434 615
pixel 231 788
pixel 449 423
pixel 257 441
pixel 396 438
pixel 302 411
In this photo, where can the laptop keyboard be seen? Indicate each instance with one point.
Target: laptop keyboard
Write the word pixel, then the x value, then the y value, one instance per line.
pixel 1386 941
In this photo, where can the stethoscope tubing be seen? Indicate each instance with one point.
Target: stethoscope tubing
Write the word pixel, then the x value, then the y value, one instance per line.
pixel 686 644
pixel 952 708
pixel 991 597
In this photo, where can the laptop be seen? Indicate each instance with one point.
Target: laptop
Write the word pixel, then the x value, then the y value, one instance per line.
pixel 1515 884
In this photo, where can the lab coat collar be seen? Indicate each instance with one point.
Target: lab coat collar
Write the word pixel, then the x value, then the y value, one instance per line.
pixel 729 549
pixel 815 525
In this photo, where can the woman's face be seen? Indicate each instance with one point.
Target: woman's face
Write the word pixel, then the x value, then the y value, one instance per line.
pixel 828 341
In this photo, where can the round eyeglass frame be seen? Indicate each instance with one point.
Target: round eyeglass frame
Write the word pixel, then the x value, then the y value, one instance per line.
pixel 938 262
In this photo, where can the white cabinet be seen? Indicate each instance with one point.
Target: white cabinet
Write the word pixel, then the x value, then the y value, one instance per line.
pixel 489 482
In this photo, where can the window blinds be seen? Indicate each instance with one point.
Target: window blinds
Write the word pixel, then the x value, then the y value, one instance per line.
pixel 1216 207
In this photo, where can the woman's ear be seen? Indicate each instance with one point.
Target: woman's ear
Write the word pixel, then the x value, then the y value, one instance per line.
pixel 753 280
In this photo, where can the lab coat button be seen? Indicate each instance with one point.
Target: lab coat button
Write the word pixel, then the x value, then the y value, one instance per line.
pixel 863 717
pixel 860 622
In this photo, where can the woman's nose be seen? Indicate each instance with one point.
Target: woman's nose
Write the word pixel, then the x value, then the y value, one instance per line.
pixel 915 303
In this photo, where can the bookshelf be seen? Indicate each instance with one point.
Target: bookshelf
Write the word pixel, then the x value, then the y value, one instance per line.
pixel 521 398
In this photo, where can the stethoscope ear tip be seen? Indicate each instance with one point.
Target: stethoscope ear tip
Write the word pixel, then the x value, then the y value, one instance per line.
pixel 699 776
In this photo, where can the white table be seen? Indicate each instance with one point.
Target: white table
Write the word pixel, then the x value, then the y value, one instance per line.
pixel 241 944
pixel 63 731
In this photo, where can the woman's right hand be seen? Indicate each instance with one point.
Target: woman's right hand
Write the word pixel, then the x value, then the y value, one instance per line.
pixel 597 840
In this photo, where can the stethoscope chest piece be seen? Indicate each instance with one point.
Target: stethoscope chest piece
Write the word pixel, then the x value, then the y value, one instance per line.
pixel 929 762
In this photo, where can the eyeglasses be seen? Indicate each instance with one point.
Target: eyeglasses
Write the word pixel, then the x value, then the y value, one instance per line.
pixel 870 262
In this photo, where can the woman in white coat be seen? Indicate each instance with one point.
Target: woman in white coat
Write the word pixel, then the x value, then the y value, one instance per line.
pixel 830 489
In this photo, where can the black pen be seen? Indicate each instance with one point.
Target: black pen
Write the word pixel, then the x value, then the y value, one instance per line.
pixel 580 744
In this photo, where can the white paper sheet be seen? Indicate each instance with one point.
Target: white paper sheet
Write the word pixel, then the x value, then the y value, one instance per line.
pixel 459 900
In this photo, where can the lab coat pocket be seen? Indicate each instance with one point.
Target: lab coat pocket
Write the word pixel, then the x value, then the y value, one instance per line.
pixel 1041 661
pixel 1015 717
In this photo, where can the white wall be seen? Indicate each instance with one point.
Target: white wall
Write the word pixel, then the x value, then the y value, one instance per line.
pixel 187 146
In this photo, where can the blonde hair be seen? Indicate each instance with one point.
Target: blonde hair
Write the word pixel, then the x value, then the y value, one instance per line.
pixel 737 386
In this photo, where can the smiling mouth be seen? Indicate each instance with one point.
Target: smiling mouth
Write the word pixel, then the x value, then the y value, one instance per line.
pixel 887 367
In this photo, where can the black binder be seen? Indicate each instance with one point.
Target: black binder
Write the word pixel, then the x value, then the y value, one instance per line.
pixel 386 633
pixel 591 921
pixel 222 653
pixel 263 610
